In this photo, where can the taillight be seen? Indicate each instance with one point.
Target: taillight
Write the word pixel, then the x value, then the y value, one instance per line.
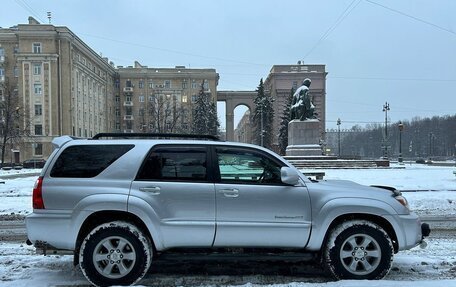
pixel 37 198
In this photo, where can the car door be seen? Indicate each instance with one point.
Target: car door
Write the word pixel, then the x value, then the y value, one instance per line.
pixel 174 180
pixel 254 208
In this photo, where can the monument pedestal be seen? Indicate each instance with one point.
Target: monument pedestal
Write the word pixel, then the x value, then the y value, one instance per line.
pixel 304 138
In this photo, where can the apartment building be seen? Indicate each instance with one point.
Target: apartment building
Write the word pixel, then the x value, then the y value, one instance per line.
pixel 62 85
pixel 160 99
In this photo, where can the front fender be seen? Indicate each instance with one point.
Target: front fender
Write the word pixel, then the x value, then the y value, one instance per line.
pixel 334 208
pixel 143 210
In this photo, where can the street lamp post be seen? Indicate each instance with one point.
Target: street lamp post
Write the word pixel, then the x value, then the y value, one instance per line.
pixel 401 127
pixel 261 130
pixel 386 108
pixel 338 133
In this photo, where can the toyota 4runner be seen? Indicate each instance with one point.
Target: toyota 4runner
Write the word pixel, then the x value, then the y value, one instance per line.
pixel 117 201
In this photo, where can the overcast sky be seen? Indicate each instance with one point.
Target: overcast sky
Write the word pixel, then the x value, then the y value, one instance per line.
pixel 403 52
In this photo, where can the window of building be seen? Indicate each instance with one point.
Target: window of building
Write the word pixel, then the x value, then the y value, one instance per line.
pixel 128 84
pixel 117 112
pixel 175 164
pixel 37 88
pixel 141 99
pixel 118 126
pixel 117 99
pixel 184 99
pixel 295 85
pixel 16 71
pixel 184 84
pixel 37 48
pixel 151 85
pixel 38 130
pixel 194 85
pixel 128 98
pixel 194 98
pixel 16 50
pixel 151 98
pixel 167 84
pixel 128 111
pixel 2 52
pixel 37 69
pixel 206 84
pixel 38 150
pixel 38 110
pixel 141 84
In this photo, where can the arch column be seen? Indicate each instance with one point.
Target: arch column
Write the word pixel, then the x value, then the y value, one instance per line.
pixel 229 119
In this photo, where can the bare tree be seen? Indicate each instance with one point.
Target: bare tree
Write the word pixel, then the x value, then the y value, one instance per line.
pixel 14 122
pixel 163 114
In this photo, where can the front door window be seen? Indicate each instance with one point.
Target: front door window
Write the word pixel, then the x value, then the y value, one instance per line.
pixel 247 167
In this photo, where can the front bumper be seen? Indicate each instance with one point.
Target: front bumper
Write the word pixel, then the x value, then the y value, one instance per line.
pixel 410 231
pixel 425 230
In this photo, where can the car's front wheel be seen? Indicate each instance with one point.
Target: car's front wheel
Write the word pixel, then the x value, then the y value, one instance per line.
pixel 115 253
pixel 358 249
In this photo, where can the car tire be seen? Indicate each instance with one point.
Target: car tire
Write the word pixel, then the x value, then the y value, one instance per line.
pixel 115 253
pixel 359 250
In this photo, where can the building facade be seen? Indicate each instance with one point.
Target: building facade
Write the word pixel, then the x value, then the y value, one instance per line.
pixel 62 85
pixel 65 88
pixel 160 99
pixel 243 131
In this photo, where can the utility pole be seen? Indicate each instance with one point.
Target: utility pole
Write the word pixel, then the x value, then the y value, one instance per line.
pixel 386 108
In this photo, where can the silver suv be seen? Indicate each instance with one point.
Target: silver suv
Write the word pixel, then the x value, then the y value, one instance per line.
pixel 116 203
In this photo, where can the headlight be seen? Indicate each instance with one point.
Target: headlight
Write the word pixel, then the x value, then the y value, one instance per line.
pixel 402 200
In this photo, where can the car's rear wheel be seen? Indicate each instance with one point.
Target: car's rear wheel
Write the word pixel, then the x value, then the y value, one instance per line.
pixel 115 253
pixel 358 249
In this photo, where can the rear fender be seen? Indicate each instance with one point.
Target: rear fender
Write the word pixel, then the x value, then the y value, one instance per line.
pixel 143 210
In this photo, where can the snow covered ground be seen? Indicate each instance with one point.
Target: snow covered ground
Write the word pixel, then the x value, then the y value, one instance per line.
pixel 435 265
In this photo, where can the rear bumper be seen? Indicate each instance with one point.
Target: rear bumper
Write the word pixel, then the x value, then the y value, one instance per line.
pixel 51 229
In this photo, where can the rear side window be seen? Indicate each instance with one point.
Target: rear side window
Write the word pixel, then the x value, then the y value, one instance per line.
pixel 86 161
pixel 175 164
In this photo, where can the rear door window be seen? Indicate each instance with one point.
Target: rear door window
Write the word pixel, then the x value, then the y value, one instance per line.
pixel 178 163
pixel 85 161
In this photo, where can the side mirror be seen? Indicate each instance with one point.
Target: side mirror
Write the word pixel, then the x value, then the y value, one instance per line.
pixel 289 176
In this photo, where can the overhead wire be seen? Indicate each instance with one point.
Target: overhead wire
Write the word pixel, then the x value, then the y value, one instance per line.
pixel 339 20
pixel 412 17
pixel 172 51
pixel 27 7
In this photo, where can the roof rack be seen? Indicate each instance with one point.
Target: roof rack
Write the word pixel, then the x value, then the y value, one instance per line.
pixel 154 135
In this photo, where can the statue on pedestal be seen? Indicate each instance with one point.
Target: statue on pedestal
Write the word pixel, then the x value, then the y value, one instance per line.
pixel 302 107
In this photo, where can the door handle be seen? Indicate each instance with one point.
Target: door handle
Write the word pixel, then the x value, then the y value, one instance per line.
pixel 231 192
pixel 154 190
